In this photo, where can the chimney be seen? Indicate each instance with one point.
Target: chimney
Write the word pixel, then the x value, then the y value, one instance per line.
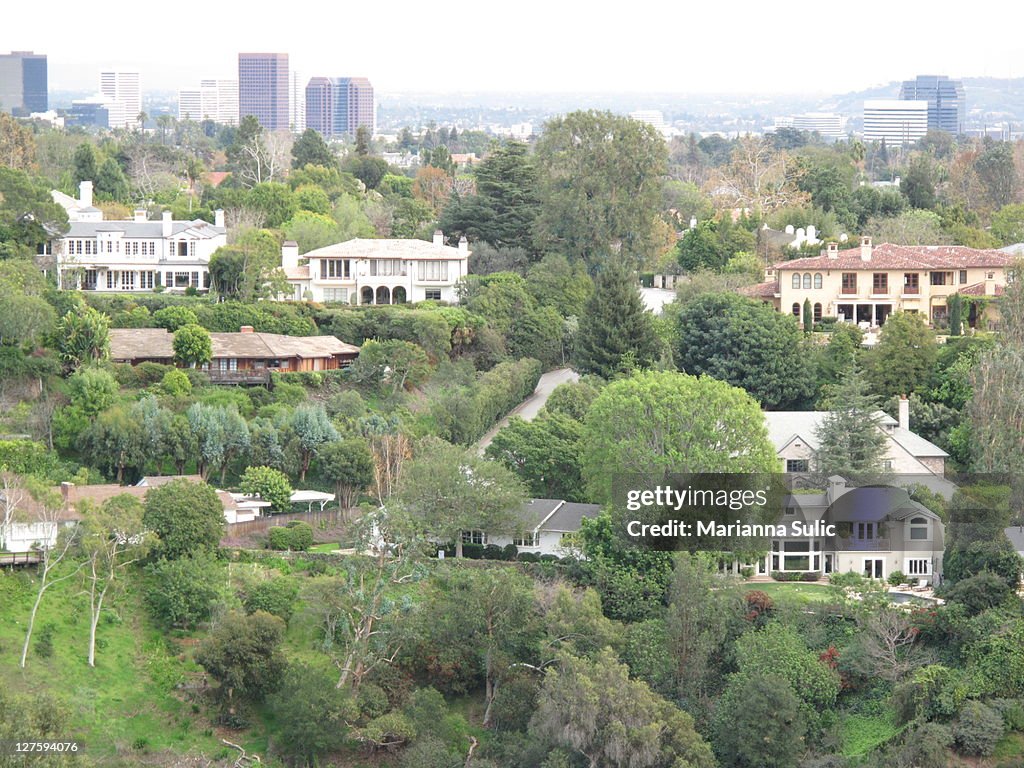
pixel 140 215
pixel 85 194
pixel 693 222
pixel 218 218
pixel 832 250
pixel 463 245
pixel 65 490
pixel 990 283
pixel 904 414
pixel 865 249
pixel 812 232
pixel 438 237
pixel 896 181
pixel 165 225
pixel 246 329
pixel 290 254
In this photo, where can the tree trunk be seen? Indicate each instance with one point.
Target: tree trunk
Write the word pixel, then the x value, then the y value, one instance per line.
pixel 458 545
pixel 32 620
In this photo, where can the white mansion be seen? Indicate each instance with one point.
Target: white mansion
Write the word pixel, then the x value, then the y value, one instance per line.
pixel 363 271
pixel 136 255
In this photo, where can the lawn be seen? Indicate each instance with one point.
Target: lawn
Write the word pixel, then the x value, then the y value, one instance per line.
pixel 862 733
pixel 794 591
pixel 330 546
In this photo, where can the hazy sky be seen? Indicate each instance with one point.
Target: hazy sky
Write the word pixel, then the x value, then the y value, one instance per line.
pixel 734 46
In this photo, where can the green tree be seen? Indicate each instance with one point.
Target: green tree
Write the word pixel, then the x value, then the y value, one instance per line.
pixel 174 317
pixel 504 209
pixel 544 454
pixel 903 361
pixel 192 345
pixel 249 269
pixel 956 314
pixel 311 230
pixel 113 537
pixel 312 715
pixel 311 149
pixel 187 517
pixel 554 282
pixel 92 390
pixel 446 491
pixel 850 440
pixel 275 201
pixel 181 592
pixel 918 183
pixel 17 144
pixel 348 464
pixel 312 429
pixel 808 317
pixel 25 320
pixel 244 655
pixel 111 183
pixel 269 484
pixel 664 422
pixel 747 344
pixel 83 336
pixel 595 710
pixel 616 331
pixel 116 440
pixel 1008 224
pixel 29 218
pixel 997 172
pixel 85 165
pixel 759 723
pixel 277 596
pixel 599 184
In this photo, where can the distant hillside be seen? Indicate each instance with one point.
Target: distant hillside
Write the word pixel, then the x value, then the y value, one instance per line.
pixel 987 97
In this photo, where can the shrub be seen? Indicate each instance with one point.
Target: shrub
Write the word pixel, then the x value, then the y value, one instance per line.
pixel 528 557
pixel 181 592
pixel 493 552
pixel 1012 712
pixel 926 746
pixel 788 576
pixel 978 729
pixel 44 640
pixel 296 536
pixel 549 558
pixel 176 383
pixel 897 577
pixel 810 576
pixel 510 552
pixel 473 551
pixel 275 596
pixel 747 572
pixel 848 579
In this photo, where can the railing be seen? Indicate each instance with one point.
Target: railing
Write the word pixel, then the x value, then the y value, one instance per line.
pixel 851 544
pixel 248 376
pixel 19 558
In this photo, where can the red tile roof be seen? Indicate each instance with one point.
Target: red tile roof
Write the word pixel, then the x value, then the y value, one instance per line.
pixel 889 256
pixel 761 290
pixel 978 289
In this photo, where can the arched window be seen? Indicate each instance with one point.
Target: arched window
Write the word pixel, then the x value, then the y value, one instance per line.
pixel 807 280
pixel 796 279
pixel 817 279
pixel 919 528
pixel 796 310
pixel 817 313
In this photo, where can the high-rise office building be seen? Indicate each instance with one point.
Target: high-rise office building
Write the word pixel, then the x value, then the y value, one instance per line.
pixel 123 88
pixel 23 83
pixel 897 121
pixel 263 89
pixel 947 106
pixel 215 100
pixel 340 105
pixel 297 102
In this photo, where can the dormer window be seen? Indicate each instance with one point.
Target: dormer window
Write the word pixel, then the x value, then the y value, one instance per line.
pixel 919 528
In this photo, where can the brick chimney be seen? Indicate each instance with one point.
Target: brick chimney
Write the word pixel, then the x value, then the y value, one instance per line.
pixel 438 237
pixel 246 329
pixel 865 249
pixel 832 250
pixel 904 413
pixel 65 490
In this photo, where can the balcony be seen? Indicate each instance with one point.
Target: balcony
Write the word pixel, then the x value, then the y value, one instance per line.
pixel 852 544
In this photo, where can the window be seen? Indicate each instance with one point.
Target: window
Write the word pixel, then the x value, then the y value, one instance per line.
pixel 990 275
pixel 182 248
pixel 817 312
pixel 336 294
pixel 938 278
pixel 911 282
pixel 796 279
pixel 181 279
pixel 169 279
pixel 111 279
pixel 849 282
pixel 919 528
pixel 474 537
pixel 887 464
pixel 195 279
pixel 127 280
pixel 432 270
pixel 807 280
pixel 110 246
pixel 146 280
pixel 880 282
pixel 817 279
pixel 134 245
pixel 963 276
pixel 796 310
pixel 334 269
pixel 528 540
pixel 386 267
pixel 918 566
pixel 797 465
pixel 790 511
pixel 432 294
pixel 866 531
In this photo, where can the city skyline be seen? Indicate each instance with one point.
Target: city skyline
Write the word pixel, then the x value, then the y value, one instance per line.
pixel 540 48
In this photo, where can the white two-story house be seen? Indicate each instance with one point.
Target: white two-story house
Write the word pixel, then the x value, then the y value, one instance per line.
pixel 386 271
pixel 137 255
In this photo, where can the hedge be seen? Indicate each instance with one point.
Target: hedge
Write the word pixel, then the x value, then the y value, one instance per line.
pixel 296 536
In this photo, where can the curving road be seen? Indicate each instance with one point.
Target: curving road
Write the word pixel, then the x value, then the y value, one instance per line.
pixel 531 406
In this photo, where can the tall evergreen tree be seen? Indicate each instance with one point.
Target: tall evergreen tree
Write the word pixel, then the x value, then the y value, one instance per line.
pixel 311 149
pixel 616 331
pixel 850 442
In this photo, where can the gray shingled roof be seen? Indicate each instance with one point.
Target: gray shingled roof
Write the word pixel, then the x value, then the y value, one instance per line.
pixel 569 516
pixel 152 230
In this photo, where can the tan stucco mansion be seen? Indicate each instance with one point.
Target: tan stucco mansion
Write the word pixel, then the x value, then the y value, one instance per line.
pixel 865 285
